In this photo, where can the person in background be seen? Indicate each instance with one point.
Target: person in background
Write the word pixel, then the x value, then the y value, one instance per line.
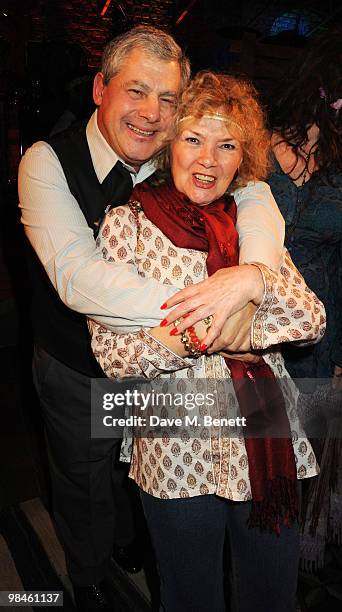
pixel 305 117
pixel 65 187
pixel 179 228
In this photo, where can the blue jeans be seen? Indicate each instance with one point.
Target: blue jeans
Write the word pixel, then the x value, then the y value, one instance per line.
pixel 188 537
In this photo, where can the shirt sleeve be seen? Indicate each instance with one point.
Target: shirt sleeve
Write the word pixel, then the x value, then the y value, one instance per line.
pixel 290 311
pixel 260 225
pixel 112 292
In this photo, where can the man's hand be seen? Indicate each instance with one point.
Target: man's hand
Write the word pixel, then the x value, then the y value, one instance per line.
pixel 235 336
pixel 221 295
pixel 246 357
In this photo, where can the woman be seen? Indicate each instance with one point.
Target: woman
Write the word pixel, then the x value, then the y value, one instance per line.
pixel 194 488
pixel 306 120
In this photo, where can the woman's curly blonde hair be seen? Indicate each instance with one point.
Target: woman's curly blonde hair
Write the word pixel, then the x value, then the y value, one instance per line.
pixel 235 99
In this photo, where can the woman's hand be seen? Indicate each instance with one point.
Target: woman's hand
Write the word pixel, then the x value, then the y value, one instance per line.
pixel 166 335
pixel 221 295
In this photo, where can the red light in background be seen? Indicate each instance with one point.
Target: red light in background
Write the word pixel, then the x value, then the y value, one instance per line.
pixel 104 10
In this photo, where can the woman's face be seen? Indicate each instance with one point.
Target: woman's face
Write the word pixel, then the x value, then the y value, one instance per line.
pixel 204 159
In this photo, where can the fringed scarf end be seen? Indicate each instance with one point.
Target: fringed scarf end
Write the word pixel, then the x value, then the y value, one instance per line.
pixel 279 506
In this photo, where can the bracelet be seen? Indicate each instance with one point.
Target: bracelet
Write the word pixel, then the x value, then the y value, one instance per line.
pixel 190 339
pixel 191 345
pixel 194 339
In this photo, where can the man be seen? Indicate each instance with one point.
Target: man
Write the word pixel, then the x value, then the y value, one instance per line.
pixel 136 93
pixel 65 186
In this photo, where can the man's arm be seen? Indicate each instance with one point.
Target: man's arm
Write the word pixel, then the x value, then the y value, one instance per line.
pixel 58 232
pixel 64 243
pixel 260 225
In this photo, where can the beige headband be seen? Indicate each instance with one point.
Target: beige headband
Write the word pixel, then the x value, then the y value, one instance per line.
pixel 217 116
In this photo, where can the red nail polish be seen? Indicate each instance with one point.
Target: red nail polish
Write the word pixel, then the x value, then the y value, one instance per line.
pixel 203 348
pixel 163 323
pixel 174 331
pixel 163 306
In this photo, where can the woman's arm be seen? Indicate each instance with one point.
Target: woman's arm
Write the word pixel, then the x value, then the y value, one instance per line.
pixel 290 311
pixel 222 295
pixel 145 353
pixel 132 354
pixel 226 288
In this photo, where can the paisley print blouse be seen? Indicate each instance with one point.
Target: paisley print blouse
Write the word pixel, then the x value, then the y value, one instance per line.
pixel 169 467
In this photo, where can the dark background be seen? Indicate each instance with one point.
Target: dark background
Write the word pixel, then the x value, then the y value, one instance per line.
pixel 49 52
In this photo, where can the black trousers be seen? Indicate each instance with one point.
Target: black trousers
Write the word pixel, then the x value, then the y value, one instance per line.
pixel 91 508
pixel 188 536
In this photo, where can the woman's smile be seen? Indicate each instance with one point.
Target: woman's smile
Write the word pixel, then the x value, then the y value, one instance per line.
pixel 204 181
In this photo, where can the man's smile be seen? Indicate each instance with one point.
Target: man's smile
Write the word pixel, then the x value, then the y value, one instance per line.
pixel 139 131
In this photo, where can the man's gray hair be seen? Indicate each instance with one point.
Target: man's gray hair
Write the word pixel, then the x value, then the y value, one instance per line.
pixel 151 40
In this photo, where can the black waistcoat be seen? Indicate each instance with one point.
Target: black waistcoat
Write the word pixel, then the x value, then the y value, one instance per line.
pixel 60 331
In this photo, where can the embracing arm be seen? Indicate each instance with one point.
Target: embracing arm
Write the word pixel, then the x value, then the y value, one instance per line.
pixel 260 225
pixel 58 232
pixel 85 282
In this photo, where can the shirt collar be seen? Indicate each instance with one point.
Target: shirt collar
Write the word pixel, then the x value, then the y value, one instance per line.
pixel 104 158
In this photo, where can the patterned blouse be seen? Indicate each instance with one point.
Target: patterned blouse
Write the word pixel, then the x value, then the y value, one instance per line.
pixel 185 466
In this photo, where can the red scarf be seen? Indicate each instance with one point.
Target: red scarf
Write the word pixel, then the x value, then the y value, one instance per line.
pixel 271 463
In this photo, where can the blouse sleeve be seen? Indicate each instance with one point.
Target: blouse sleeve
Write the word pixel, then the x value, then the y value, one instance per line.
pixel 260 225
pixel 136 353
pixel 290 311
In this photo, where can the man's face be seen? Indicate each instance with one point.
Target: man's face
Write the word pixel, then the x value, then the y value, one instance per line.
pixel 137 106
